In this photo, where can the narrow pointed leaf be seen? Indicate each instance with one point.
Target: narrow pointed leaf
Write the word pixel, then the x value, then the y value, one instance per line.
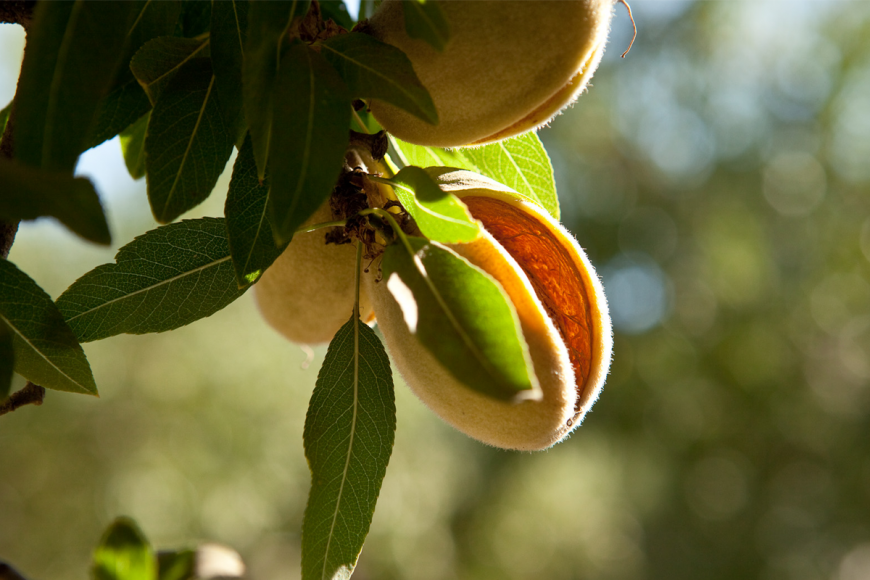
pixel 124 554
pixel 133 146
pixel 463 317
pixel 46 350
pixel 251 242
pixel 268 22
pixel 73 51
pixel 312 109
pixel 188 142
pixel 522 164
pixel 440 215
pixel 229 27
pixel 29 193
pixel 126 101
pixel 7 361
pixel 425 20
pixel 118 110
pixel 160 59
pixel 349 433
pixel 375 70
pixel 162 280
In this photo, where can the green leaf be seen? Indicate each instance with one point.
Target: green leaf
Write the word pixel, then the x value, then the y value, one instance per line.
pixel 7 361
pixel 425 20
pixel 118 110
pixel 348 437
pixel 229 26
pixel 162 280
pixel 160 59
pixel 461 315
pixel 127 102
pixel 73 51
pixel 268 22
pixel 439 215
pixel 251 243
pixel 312 110
pixel 188 142
pixel 337 12
pixel 373 69
pixel 124 554
pixel 180 565
pixel 133 146
pixel 522 164
pixel 46 350
pixel 29 193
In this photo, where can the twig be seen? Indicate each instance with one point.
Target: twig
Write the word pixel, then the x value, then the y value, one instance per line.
pixel 30 395
pixel 7 145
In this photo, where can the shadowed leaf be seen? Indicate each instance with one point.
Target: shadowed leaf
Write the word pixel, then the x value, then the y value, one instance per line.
pixel 373 69
pixel 46 350
pixel 312 109
pixel 268 22
pixel 29 193
pixel 229 26
pixel 126 102
pixel 251 242
pixel 73 51
pixel 188 142
pixel 162 280
pixel 425 20
pixel 160 59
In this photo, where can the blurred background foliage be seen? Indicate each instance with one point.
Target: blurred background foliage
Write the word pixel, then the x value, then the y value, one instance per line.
pixel 719 177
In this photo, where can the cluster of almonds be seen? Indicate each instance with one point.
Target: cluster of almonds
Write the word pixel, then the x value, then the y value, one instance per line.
pixel 509 67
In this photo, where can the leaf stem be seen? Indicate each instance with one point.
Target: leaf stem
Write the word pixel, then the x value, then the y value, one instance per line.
pixel 359 121
pixel 320 226
pixel 356 277
pixel 393 223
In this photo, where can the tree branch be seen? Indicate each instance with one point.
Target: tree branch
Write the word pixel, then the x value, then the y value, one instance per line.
pixel 7 147
pixel 30 395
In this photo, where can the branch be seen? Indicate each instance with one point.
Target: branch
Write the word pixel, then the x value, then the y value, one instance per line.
pixel 7 145
pixel 30 395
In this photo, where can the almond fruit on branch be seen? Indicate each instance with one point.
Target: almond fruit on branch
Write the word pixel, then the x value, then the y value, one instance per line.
pixel 558 300
pixel 508 66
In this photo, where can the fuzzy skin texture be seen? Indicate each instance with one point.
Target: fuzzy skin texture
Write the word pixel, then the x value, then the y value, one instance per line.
pixel 309 292
pixel 528 425
pixel 509 66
